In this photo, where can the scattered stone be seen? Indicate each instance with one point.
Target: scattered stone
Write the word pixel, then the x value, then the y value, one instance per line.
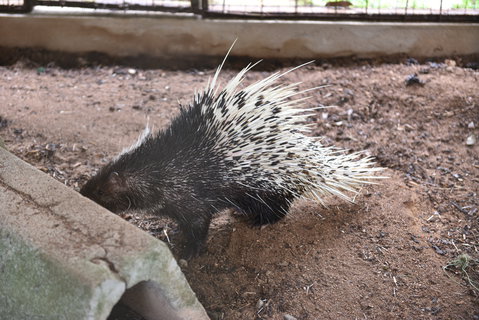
pixel 450 62
pixel 411 61
pixel 289 317
pixel 216 315
pixel 120 72
pixel 115 108
pixel 3 122
pixel 436 65
pixel 41 70
pixel 350 113
pixel 471 140
pixel 473 65
pixel 183 263
pixel 470 125
pixel 413 79
pixel 51 147
pixel 424 70
pixel 259 304
pixel 132 71
pixel 438 250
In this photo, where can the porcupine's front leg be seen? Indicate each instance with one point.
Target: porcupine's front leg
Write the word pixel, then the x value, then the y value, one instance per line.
pixel 196 233
pixel 193 225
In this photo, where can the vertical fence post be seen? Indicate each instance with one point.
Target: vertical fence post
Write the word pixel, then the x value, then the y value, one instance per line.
pixel 199 6
pixel 195 6
pixel 204 5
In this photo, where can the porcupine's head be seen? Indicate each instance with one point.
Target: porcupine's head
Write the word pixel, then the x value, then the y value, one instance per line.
pixel 121 184
pixel 109 189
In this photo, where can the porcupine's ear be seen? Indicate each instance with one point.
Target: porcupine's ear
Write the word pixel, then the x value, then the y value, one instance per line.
pixel 115 183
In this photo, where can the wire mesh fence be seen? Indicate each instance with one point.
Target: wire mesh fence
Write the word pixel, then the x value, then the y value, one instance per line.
pixel 385 10
pixel 352 6
pixel 416 10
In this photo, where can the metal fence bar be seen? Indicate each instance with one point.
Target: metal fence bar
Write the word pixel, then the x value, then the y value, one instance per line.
pixel 365 10
pixel 113 6
pixel 25 7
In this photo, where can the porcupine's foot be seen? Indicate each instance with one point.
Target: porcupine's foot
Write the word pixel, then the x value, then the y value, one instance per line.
pixel 196 233
pixel 265 208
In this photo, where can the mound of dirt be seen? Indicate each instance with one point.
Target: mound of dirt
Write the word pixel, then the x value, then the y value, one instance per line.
pixel 383 257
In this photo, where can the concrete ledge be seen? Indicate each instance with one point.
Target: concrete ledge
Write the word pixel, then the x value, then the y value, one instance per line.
pixel 171 36
pixel 64 257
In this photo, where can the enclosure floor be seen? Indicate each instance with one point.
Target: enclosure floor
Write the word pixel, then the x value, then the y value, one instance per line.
pixel 380 258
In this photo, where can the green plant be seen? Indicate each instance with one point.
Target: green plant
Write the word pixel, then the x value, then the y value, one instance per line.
pixel 465 264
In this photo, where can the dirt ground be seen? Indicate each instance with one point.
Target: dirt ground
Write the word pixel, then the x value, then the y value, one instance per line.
pixel 406 249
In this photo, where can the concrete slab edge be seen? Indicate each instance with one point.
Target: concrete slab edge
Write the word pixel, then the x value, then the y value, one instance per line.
pixel 64 257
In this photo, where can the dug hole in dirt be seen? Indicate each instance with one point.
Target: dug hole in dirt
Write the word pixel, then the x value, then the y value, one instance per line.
pixel 406 249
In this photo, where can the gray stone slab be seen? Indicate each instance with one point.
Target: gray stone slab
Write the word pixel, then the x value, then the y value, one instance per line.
pixel 64 257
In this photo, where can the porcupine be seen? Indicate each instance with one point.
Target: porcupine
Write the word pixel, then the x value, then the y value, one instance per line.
pixel 241 148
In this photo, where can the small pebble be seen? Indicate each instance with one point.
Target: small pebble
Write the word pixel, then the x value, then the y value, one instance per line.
pixel 411 61
pixel 438 250
pixel 471 140
pixel 183 263
pixel 259 304
pixel 471 125
pixel 413 79
pixel 450 63
pixel 289 317
pixel 424 70
pixel 472 65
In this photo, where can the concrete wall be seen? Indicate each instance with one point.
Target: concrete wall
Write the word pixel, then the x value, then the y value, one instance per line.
pixel 168 36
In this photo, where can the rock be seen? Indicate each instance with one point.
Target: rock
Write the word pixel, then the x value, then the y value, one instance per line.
pixel 471 140
pixel 259 304
pixel 183 263
pixel 450 62
pixel 413 79
pixel 472 65
pixel 411 61
pixel 289 317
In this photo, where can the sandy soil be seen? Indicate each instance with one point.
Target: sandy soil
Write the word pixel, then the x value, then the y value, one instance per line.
pixel 380 258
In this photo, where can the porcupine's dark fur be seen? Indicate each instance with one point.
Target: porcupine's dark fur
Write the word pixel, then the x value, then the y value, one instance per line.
pixel 236 148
